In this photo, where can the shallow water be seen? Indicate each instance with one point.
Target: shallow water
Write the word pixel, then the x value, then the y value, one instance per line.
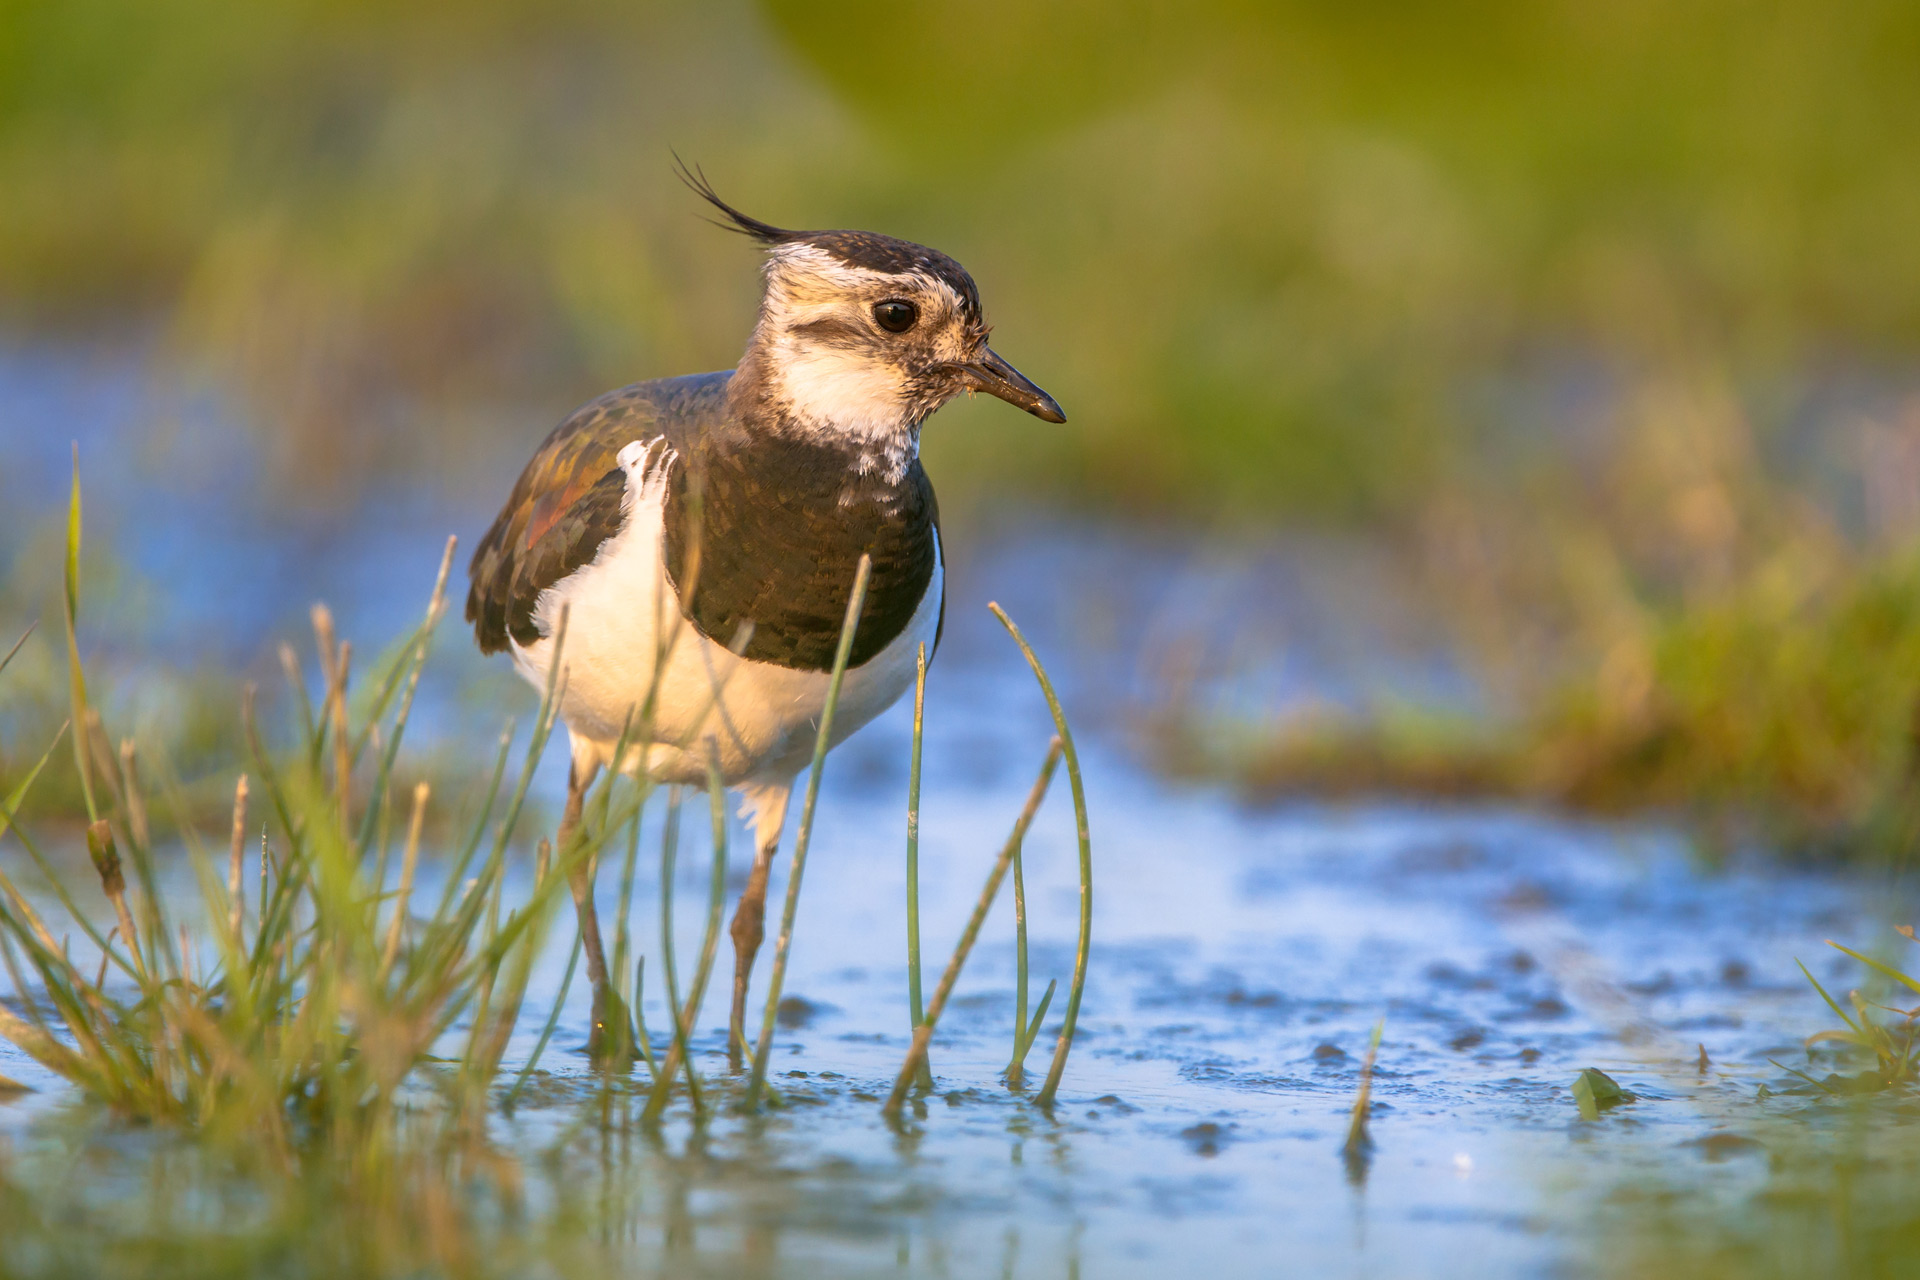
pixel 1241 956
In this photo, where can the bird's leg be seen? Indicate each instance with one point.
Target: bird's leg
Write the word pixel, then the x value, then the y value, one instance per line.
pixel 580 876
pixel 748 929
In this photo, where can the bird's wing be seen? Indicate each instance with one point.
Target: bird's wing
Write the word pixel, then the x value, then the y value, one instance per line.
pixel 571 498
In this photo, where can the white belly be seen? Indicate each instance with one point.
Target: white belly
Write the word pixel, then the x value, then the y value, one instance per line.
pixel 622 617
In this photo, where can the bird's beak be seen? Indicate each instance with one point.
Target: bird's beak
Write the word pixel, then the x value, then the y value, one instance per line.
pixel 996 377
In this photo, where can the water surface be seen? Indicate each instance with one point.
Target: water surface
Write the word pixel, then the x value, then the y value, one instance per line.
pixel 1242 956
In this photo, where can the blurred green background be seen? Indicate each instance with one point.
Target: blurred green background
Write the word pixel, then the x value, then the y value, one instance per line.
pixel 1605 317
pixel 1275 258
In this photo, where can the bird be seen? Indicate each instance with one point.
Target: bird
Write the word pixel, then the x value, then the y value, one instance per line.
pixel 700 536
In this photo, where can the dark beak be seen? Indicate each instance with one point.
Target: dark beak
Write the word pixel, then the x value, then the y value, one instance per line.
pixel 996 377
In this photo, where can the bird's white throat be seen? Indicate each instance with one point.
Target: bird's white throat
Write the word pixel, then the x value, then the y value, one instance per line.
pixel 847 394
pixel 818 381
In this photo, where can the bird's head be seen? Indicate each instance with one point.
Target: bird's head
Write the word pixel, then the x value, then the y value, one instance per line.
pixel 863 336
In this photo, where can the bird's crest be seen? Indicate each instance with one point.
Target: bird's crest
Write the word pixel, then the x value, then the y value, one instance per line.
pixel 866 250
pixel 764 232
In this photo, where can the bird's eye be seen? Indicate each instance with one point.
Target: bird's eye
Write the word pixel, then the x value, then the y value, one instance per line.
pixel 895 316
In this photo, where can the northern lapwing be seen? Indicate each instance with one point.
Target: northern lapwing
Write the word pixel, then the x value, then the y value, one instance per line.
pixel 702 535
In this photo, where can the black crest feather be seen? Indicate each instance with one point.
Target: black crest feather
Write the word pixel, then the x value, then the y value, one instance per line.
pixel 866 249
pixel 764 232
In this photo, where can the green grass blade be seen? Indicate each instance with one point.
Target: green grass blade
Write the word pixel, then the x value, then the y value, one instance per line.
pixel 1831 1003
pixel 1084 948
pixel 602 806
pixel 491 797
pixel 763 1048
pixel 379 682
pixel 622 926
pixel 546 1032
pixel 76 675
pixel 916 1009
pixel 536 747
pixel 1820 1085
pixel 43 1046
pixel 1912 984
pixel 421 644
pixel 9 820
pixel 1015 1064
pixel 669 853
pixel 924 1034
pixel 461 919
pixel 12 803
pixel 677 1040
pixel 1358 1142
pixel 18 644
pixel 643 1040
pixel 1032 1031
pixel 302 702
pixel 678 1053
pixel 583 849
pixel 404 660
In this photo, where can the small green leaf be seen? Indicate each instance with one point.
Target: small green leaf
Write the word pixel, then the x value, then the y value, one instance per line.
pixel 1596 1091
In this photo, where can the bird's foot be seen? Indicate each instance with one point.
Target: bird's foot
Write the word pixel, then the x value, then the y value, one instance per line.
pixel 737 1049
pixel 611 1043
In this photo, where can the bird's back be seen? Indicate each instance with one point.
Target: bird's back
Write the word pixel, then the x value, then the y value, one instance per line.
pixel 569 498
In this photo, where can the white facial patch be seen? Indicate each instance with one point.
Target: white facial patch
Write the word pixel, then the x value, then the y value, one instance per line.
pixel 842 390
pixel 850 392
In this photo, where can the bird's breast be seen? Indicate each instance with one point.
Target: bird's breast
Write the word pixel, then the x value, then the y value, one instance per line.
pixel 770 539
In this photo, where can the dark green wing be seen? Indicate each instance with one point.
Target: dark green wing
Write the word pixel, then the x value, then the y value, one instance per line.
pixel 571 496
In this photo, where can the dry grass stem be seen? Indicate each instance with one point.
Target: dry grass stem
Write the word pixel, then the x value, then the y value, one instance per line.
pixel 409 860
pixel 236 863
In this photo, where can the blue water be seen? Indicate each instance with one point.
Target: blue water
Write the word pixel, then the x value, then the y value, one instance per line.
pixel 1242 955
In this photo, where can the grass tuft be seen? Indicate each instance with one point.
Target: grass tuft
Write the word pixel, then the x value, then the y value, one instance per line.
pixel 1084 949
pixel 318 1019
pixel 308 1019
pixel 1893 1042
pixel 923 1034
